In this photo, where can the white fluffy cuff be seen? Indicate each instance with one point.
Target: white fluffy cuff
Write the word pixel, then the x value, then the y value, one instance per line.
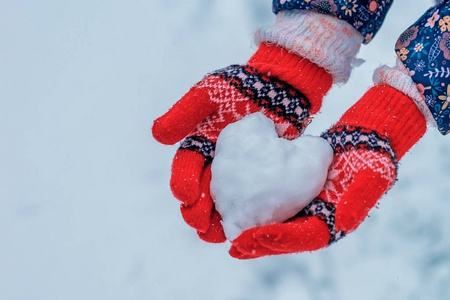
pixel 324 40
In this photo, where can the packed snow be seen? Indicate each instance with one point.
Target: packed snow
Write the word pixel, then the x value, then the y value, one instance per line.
pixel 259 178
pixel 86 210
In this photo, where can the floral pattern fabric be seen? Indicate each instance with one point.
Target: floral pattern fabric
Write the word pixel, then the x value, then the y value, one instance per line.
pixel 424 49
pixel 366 16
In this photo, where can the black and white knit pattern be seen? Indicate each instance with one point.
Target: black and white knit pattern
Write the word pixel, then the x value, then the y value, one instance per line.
pixel 344 138
pixel 326 212
pixel 200 145
pixel 278 97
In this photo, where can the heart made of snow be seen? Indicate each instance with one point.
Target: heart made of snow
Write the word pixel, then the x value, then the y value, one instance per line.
pixel 259 178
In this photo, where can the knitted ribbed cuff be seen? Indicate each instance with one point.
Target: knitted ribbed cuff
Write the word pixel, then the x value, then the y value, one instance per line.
pixel 391 114
pixel 399 79
pixel 311 80
pixel 324 40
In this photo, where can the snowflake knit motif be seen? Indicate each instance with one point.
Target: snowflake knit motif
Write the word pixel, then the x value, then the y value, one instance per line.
pixel 241 90
pixel 355 149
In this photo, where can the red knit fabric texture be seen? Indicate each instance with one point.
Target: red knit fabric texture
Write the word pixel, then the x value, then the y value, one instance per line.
pixel 391 114
pixel 313 81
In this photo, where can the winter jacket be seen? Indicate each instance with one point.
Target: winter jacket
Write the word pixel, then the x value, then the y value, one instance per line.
pixel 366 16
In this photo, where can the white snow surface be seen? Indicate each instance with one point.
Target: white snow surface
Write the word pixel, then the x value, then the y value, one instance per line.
pixel 86 210
pixel 259 178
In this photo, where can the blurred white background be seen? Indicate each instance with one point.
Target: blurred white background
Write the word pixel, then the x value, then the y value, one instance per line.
pixel 85 206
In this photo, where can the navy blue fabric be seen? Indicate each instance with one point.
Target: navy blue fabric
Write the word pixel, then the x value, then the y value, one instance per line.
pixel 366 16
pixel 424 49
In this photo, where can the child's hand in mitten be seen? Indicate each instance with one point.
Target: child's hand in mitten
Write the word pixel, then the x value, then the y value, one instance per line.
pixel 367 142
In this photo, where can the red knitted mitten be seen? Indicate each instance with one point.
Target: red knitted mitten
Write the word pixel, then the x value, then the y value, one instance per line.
pixel 284 86
pixel 368 141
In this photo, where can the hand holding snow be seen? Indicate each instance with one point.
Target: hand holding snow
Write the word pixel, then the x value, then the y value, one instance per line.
pixel 259 178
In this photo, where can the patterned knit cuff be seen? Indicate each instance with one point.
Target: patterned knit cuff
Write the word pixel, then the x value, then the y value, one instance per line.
pixel 324 40
pixel 399 78
pixel 365 16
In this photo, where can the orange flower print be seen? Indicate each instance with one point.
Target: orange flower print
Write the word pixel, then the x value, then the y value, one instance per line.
pixel 432 20
pixel 444 23
pixel 445 98
pixel 350 7
pixel 403 54
pixel 369 37
pixel 373 6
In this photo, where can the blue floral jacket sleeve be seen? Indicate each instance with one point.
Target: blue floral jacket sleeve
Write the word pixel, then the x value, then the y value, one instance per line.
pixel 424 49
pixel 366 16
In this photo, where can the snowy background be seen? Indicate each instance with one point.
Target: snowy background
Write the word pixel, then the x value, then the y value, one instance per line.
pixel 85 207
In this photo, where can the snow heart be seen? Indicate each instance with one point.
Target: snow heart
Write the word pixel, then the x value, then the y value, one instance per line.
pixel 259 178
